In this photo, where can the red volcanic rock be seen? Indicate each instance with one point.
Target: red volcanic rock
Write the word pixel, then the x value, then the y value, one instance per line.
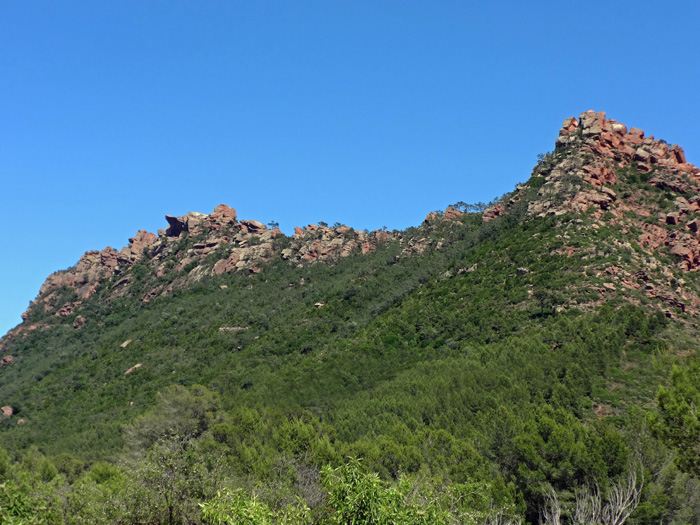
pixel 672 181
pixel 598 174
pixel 348 248
pixel 137 244
pixel 6 411
pixel 610 193
pixel 430 217
pixel 492 213
pixel 570 124
pixel 634 136
pixel 187 223
pixel 448 215
pixel 452 213
pixel 298 231
pixel 79 321
pixel 677 154
pixel 382 235
pixel 6 360
pixel 585 199
pixel 226 265
pixel 689 254
pixel 253 227
pixel 222 216
pixel 177 225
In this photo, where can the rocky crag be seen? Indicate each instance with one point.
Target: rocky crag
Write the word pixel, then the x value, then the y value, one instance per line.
pixel 197 245
pixel 644 188
pixel 193 246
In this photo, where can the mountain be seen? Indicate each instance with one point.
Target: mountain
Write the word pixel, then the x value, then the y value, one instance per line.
pixel 493 363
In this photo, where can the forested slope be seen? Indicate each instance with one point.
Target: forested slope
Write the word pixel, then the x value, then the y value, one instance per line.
pixel 489 364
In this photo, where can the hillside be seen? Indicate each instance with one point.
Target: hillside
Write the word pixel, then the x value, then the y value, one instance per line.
pixel 487 358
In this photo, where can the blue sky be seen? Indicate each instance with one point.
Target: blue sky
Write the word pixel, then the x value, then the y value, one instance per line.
pixel 113 114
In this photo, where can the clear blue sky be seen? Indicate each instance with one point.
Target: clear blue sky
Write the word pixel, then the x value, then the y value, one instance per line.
pixel 371 113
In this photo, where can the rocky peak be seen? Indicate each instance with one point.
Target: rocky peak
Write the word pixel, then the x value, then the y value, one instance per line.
pixel 614 146
pixel 591 155
pixel 615 176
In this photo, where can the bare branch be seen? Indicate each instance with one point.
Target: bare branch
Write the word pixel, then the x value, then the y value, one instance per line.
pixel 551 513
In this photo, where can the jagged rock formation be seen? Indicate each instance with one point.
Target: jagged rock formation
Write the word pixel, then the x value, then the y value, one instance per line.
pixel 193 246
pixel 604 170
pixel 598 151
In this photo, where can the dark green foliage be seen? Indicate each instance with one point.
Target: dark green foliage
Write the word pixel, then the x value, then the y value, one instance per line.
pixel 478 372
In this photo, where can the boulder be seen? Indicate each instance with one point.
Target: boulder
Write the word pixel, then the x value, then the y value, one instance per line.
pixel 677 154
pixel 138 365
pixel 634 136
pixel 221 216
pixel 492 213
pixel 451 214
pixel 569 125
pixel 254 227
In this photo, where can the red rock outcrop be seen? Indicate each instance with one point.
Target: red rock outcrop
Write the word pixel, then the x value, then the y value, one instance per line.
pixel 613 147
pixel 324 243
pixel 594 153
pixel 449 214
pixel 193 246
pixel 493 212
pixel 595 150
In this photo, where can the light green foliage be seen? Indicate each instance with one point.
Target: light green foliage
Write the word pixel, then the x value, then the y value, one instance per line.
pixel 238 508
pixel 361 498
pixel 103 472
pixel 29 494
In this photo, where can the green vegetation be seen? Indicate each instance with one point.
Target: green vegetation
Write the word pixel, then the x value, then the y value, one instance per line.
pixel 487 381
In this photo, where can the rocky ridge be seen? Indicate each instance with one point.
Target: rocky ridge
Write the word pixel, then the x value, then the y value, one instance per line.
pixel 599 169
pixel 619 178
pixel 191 247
